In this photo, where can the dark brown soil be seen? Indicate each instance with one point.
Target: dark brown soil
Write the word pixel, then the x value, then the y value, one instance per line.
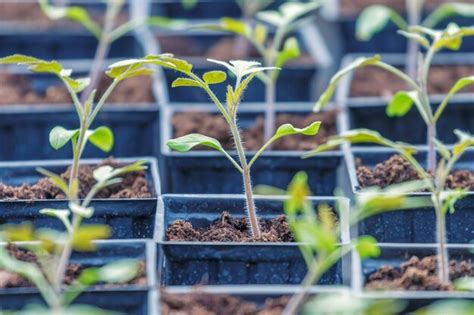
pixel 29 13
pixel 225 49
pixel 354 7
pixel 133 185
pixel 214 125
pixel 370 81
pixel 198 303
pixel 228 229
pixel 16 89
pixel 13 280
pixel 397 170
pixel 417 275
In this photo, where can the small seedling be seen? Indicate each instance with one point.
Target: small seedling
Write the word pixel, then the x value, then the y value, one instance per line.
pixel 53 248
pixel 437 173
pixel 376 17
pixel 319 233
pixel 275 51
pixel 442 200
pixel 106 34
pixel 244 72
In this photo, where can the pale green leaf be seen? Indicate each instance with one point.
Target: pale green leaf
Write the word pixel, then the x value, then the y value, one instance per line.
pixel 260 33
pixel 460 84
pixel 214 77
pixel 55 179
pixel 442 149
pixel 290 51
pixel 59 136
pixel 234 26
pixel 103 173
pixel 464 284
pixel 180 82
pixel 329 92
pixel 101 137
pixel 375 18
pixel 85 212
pixel 61 214
pixel 447 10
pixel 420 39
pixel 186 143
pixel 465 141
pixel 401 103
pixel 85 234
pixel 367 247
pixel 120 271
pixel 289 129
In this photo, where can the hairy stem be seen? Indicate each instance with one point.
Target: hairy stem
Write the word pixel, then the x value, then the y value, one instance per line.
pixel 113 8
pixel 443 264
pixel 269 129
pixel 252 211
pixel 431 158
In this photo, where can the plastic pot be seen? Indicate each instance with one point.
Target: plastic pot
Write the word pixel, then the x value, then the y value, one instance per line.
pixel 24 129
pixel 415 225
pixel 394 255
pixel 250 293
pixel 369 112
pixel 129 299
pixel 210 172
pixel 190 263
pixel 128 218
pixel 343 30
pixel 300 80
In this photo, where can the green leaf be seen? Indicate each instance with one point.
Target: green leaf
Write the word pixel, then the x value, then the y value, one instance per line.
pixel 465 141
pixel 357 63
pixel 78 85
pixel 179 82
pixel 167 61
pixel 59 136
pixel 452 37
pixel 101 137
pixel 85 212
pixel 464 284
pixel 120 271
pixel 442 149
pixel 17 232
pixel 448 306
pixel 85 234
pixel 401 103
pixel 214 77
pixel 447 10
pixel 420 39
pixel 260 33
pixel 289 129
pixel 362 136
pixel 61 214
pixel 367 247
pixel 449 199
pixel 234 26
pixel 19 59
pixel 78 309
pixel 460 84
pixel 55 179
pixel 375 18
pixel 186 143
pixel 73 13
pixel 291 50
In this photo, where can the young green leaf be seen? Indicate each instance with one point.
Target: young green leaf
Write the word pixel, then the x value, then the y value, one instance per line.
pixel 374 18
pixel 289 129
pixel 327 95
pixel 291 50
pixel 85 212
pixel 61 214
pixel 465 141
pixel 59 136
pixel 214 77
pixel 186 143
pixel 85 234
pixel 120 271
pixel 416 37
pixel 73 13
pixel 367 247
pixel 361 136
pixel 460 84
pixel 55 179
pixel 22 232
pixel 180 82
pixel 447 10
pixel 401 103
pixel 101 137
pixel 442 149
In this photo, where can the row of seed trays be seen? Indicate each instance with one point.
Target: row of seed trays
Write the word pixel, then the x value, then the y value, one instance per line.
pixel 236 157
